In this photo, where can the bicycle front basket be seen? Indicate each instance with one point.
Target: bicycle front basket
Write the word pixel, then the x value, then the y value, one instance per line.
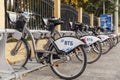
pixel 20 25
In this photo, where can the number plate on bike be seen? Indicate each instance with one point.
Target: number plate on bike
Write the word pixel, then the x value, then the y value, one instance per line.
pixel 66 44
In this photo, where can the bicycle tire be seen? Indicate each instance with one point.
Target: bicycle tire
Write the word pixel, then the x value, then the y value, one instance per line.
pixel 115 39
pixel 16 59
pixel 94 53
pixel 66 68
pixel 106 46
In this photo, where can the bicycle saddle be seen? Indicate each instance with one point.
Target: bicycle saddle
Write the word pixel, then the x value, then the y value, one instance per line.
pixel 75 26
pixel 55 21
pixel 51 23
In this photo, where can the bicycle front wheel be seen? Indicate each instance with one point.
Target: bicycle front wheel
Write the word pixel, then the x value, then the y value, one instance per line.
pixel 106 46
pixel 17 52
pixel 69 66
pixel 93 52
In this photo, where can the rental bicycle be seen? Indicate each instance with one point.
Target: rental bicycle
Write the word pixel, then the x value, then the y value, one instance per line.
pixel 93 46
pixel 65 55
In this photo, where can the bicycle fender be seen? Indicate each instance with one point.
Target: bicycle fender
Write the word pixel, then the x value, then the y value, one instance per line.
pixel 89 39
pixel 112 35
pixel 67 44
pixel 103 37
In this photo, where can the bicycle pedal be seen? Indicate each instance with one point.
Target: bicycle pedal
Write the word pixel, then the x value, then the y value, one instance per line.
pixel 39 54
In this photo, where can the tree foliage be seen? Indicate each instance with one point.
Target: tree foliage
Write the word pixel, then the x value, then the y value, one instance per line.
pixel 93 6
pixel 75 3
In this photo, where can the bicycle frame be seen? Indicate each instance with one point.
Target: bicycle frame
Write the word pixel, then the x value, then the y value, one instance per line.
pixel 55 43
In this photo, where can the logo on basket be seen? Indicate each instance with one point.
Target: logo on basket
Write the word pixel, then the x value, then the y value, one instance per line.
pixel 62 40
pixel 89 39
pixel 68 43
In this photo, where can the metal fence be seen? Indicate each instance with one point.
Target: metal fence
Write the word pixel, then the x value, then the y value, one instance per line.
pixel 46 8
pixel 68 13
pixel 42 7
pixel 95 21
pixel 86 18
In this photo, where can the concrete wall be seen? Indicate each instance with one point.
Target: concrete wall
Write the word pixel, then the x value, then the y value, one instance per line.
pixel 57 11
pixel 91 19
pixel 2 14
pixel 80 14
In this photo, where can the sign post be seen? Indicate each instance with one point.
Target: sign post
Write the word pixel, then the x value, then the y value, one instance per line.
pixel 116 18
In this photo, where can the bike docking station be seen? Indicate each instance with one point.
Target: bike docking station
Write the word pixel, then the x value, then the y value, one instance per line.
pixel 7 72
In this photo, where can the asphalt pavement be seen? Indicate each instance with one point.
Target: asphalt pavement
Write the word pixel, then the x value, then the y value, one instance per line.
pixel 106 68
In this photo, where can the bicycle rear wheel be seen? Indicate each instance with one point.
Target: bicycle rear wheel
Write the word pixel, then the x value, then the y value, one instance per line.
pixel 69 66
pixel 17 52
